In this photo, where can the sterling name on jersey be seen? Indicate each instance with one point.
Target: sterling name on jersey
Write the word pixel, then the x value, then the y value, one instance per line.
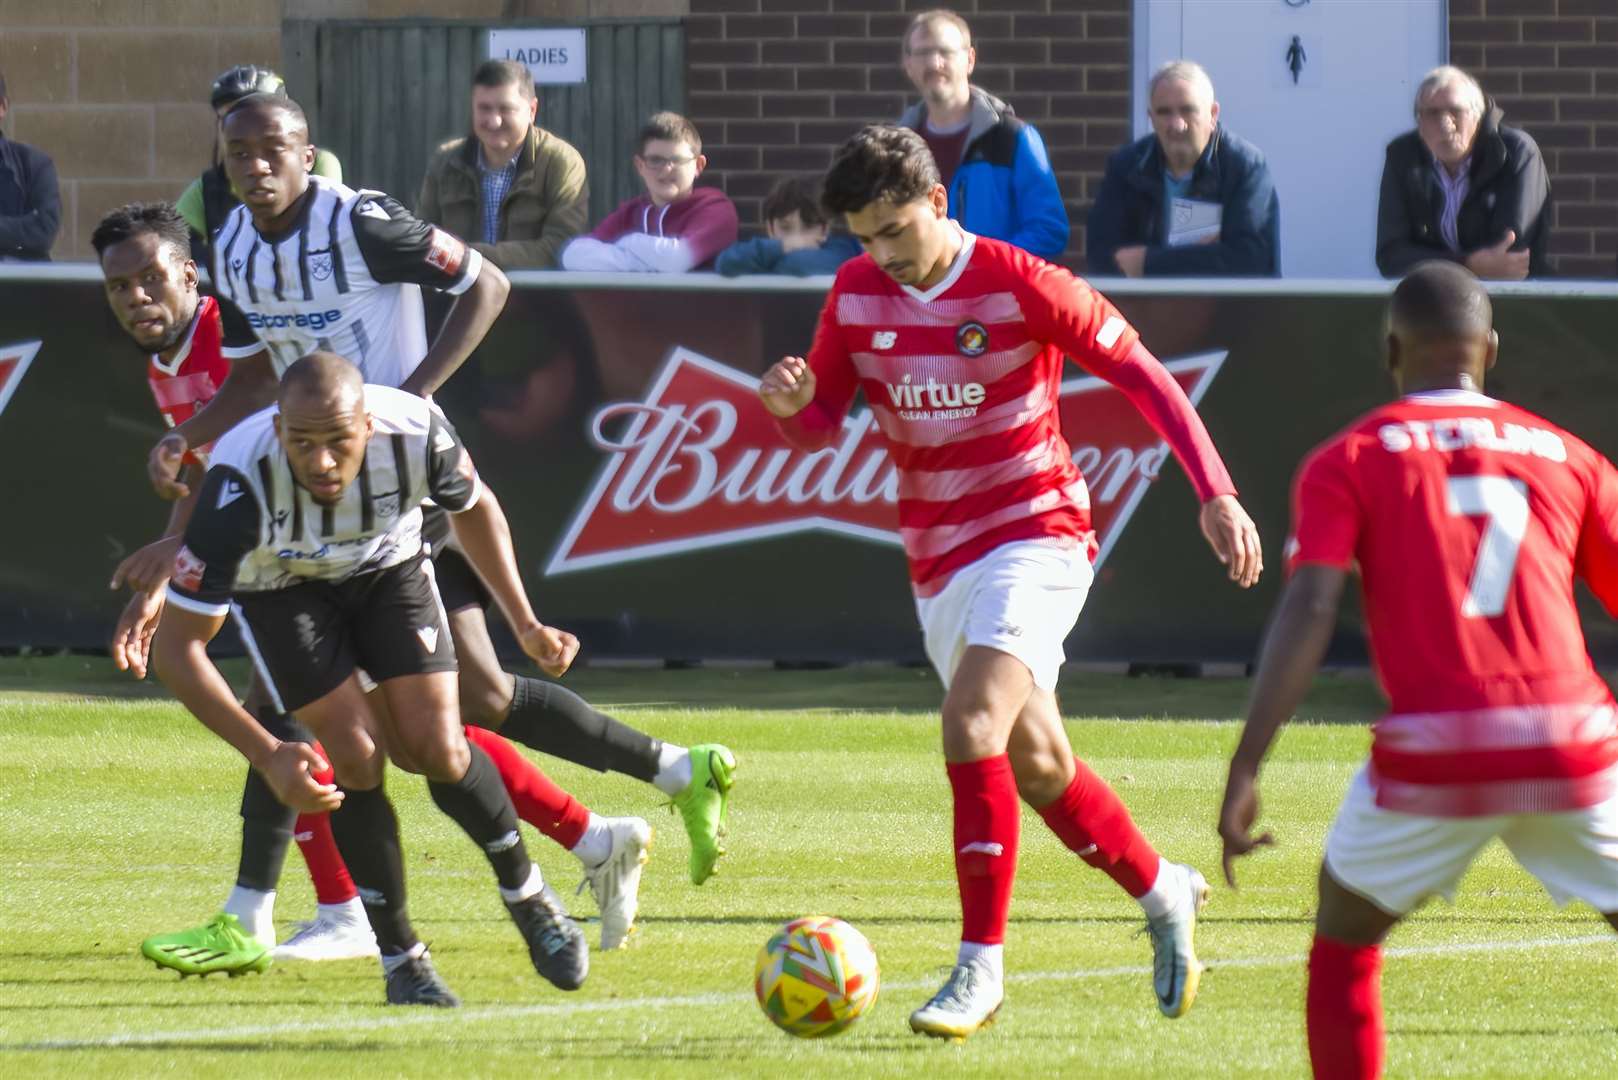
pixel 345 277
pixel 255 529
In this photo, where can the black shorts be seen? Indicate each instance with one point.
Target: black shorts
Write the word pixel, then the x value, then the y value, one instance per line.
pixel 458 584
pixel 308 638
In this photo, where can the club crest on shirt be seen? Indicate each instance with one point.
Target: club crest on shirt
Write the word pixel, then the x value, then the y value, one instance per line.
pixel 971 339
pixel 386 504
pixel 320 264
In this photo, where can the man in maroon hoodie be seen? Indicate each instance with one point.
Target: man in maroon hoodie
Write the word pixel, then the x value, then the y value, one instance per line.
pixel 672 228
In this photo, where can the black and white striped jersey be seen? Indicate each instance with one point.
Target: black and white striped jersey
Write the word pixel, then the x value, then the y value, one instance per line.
pixel 345 277
pixel 255 529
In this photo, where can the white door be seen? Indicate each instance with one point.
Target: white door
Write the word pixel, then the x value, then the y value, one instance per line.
pixel 1325 131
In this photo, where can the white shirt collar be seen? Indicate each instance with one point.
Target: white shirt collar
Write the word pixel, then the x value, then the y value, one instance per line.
pixel 956 268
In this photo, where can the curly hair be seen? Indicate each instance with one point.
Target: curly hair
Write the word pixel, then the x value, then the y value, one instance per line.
pixel 879 163
pixel 136 219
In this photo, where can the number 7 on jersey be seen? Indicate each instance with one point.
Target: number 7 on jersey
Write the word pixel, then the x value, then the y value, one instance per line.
pixel 1504 503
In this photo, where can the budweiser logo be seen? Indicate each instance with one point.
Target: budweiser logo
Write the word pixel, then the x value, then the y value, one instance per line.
pixel 699 464
pixel 14 361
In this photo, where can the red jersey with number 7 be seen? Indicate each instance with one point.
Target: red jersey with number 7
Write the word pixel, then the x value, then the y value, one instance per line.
pixel 1469 520
pixel 186 383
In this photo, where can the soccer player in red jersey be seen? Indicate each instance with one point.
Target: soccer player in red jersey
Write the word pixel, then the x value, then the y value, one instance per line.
pixel 958 341
pixel 1468 520
pixel 151 284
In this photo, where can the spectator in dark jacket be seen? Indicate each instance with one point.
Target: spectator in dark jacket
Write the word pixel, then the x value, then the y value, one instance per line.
pixel 1463 187
pixel 1191 199
pixel 30 205
pixel 797 237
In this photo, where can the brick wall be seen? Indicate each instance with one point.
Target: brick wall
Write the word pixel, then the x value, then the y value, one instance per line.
pixel 775 85
pixel 117 93
pixel 1553 67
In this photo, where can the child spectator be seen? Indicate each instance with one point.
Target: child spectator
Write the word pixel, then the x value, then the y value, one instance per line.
pixel 797 237
pixel 674 227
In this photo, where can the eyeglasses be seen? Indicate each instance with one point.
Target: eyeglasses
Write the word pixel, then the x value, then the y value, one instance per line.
pixel 657 163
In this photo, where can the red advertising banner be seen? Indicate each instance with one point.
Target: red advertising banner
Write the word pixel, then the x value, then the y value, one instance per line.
pixel 699 463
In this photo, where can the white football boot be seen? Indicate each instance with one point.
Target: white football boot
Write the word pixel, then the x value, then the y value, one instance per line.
pixel 615 882
pixel 337 932
pixel 969 1000
pixel 1175 970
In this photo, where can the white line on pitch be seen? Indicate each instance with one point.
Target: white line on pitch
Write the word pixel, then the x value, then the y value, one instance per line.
pixel 354 1024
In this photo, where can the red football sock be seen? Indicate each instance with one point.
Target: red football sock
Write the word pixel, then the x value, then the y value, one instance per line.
pixel 537 798
pixel 319 850
pixel 1345 1010
pixel 987 819
pixel 1092 821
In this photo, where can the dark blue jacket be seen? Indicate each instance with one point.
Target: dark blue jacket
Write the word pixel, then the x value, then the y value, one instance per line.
pixel 1231 172
pixel 30 205
pixel 763 256
pixel 1004 187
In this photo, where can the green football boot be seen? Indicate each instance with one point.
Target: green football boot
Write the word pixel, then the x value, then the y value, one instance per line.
pixel 220 945
pixel 702 806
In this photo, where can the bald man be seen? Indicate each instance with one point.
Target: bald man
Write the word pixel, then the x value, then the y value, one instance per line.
pixel 1468 520
pixel 309 524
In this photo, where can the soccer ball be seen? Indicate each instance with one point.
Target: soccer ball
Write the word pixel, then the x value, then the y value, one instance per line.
pixel 815 976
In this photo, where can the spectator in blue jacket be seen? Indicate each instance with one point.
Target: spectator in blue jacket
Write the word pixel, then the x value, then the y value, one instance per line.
pixel 797 237
pixel 995 166
pixel 30 205
pixel 1189 200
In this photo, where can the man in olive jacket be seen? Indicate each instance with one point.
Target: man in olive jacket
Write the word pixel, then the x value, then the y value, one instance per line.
pixel 512 189
pixel 1463 187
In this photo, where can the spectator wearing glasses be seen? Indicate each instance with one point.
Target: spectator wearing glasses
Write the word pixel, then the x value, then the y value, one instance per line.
pixel 1463 187
pixel 675 226
pixel 995 166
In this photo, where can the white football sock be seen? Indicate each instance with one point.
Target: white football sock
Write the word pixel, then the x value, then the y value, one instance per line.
pixel 991 959
pixel 255 910
pixel 673 769
pixel 595 845
pixel 528 888
pixel 350 911
pixel 391 962
pixel 1167 892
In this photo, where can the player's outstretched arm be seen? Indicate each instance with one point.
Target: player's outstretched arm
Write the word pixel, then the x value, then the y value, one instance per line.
pixel 180 657
pixel 788 387
pixel 249 387
pixel 469 320
pixel 485 535
pixel 1293 649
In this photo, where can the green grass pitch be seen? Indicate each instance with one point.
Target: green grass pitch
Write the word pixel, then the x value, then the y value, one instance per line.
pixel 118 818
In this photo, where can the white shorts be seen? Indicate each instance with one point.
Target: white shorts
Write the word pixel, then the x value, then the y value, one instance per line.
pixel 1021 598
pixel 1398 860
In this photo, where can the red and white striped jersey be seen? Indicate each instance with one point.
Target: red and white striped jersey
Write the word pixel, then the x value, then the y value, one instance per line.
pixel 186 383
pixel 1469 519
pixel 963 381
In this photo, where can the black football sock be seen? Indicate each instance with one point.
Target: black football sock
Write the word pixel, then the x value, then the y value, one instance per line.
pixel 481 806
pixel 266 824
pixel 367 835
pixel 558 722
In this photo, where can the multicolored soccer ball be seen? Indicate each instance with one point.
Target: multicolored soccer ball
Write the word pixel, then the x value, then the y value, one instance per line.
pixel 816 976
